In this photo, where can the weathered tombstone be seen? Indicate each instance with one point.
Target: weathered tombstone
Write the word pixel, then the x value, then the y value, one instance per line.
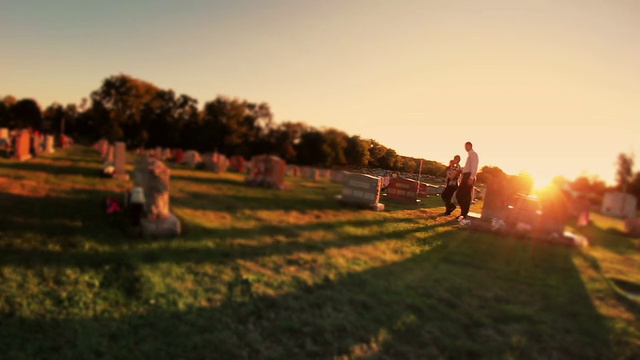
pixel 4 133
pixel 237 164
pixel 309 173
pixel 499 195
pixel 120 159
pixel 108 157
pixel 178 156
pixel 103 148
pixel 363 190
pixel 36 144
pixel 22 146
pixel 325 174
pixel 337 177
pixel 402 190
pixel 619 204
pixel 215 162
pixel 48 144
pixel 167 154
pixel 153 176
pixel 192 158
pixel 267 171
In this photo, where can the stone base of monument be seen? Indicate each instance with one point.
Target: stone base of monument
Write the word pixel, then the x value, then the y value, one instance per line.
pixel 374 207
pixel 169 226
pixel 23 157
pixel 121 176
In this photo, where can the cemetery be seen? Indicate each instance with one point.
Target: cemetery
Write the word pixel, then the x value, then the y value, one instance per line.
pixel 296 262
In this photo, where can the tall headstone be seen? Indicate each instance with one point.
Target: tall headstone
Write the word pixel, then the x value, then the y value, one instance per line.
pixel 4 133
pixel 108 157
pixel 120 161
pixel 22 146
pixel 153 176
pixel 48 144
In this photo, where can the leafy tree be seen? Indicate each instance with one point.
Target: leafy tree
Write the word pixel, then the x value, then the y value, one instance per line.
pixel 26 113
pixel 624 172
pixel 357 151
pixel 489 173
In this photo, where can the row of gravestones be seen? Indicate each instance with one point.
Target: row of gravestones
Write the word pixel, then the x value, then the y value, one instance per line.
pixel 212 161
pixel 24 144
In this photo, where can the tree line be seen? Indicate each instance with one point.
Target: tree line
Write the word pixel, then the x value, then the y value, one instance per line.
pixel 141 114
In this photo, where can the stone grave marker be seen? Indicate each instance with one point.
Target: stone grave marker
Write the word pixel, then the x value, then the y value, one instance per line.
pixel 192 158
pixel 237 164
pixel 402 190
pixel 153 176
pixel 48 144
pixel 22 146
pixel 267 171
pixel 120 159
pixel 363 190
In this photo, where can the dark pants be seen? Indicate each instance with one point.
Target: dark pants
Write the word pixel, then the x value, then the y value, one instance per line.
pixel 447 194
pixel 464 194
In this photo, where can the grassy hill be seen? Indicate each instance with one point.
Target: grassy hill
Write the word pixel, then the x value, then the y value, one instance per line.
pixel 292 274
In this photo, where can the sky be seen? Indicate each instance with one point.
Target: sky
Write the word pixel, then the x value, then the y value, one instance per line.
pixel 549 87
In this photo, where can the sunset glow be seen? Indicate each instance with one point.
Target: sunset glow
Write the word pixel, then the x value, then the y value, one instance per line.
pixel 550 87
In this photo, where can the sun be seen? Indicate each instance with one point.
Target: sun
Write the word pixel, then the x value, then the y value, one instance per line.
pixel 542 178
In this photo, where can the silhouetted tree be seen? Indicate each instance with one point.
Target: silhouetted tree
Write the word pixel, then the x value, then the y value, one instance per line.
pixel 624 171
pixel 26 113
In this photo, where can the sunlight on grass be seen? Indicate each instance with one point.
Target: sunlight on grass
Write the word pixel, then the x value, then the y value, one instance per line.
pixel 291 274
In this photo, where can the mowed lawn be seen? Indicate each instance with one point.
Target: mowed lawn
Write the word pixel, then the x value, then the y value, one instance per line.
pixel 292 274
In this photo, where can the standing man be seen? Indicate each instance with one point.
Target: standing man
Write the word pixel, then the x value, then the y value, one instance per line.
pixel 468 179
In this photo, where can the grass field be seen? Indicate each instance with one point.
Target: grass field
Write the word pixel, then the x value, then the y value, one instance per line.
pixel 292 274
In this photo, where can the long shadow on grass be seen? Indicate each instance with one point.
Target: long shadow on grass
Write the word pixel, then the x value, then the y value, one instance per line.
pixel 223 253
pixel 423 307
pixel 52 168
pixel 67 221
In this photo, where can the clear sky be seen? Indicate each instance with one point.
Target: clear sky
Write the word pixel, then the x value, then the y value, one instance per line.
pixel 547 86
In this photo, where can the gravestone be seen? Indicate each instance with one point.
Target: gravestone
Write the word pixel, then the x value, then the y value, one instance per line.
pixel 237 164
pixel 178 156
pixel 108 157
pixel 153 176
pixel 325 174
pixel 215 162
pixel 167 154
pixel 4 133
pixel 309 173
pixel 36 144
pixel 402 190
pixel 192 158
pixel 363 190
pixel 267 171
pixel 48 144
pixel 120 159
pixel 337 177
pixel 22 146
pixel 499 195
pixel 619 204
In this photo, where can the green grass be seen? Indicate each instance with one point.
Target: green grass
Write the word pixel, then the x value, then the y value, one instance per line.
pixel 292 274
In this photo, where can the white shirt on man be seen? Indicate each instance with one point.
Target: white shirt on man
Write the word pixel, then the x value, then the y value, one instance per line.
pixel 471 165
